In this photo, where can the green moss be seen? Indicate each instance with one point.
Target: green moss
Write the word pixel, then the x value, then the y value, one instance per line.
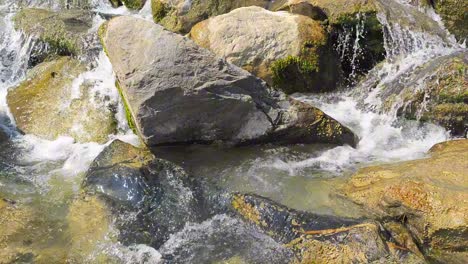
pixel 101 31
pixel 128 113
pixel 295 73
pixel 133 4
pixel 454 15
pixel 62 31
pixel 159 10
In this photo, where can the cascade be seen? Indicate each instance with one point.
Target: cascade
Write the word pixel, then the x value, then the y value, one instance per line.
pixel 414 39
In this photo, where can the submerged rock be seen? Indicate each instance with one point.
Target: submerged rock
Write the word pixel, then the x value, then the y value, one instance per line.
pixel 151 198
pixel 46 105
pixel 427 195
pixel 62 32
pixel 321 238
pixel 183 93
pixel 13 219
pixel 289 51
pixel 180 16
pixel 89 225
pixel 223 239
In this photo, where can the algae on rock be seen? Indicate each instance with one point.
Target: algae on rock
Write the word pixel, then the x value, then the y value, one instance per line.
pixel 344 19
pixel 290 52
pixel 441 97
pixel 179 16
pixel 454 13
pixel 131 4
pixel 62 32
pixel 43 104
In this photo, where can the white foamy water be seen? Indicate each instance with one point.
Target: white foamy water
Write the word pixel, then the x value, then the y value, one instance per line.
pixel 15 51
pixel 383 136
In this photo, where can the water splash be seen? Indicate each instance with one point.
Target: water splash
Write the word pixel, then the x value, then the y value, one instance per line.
pixel 222 237
pixel 15 50
pixel 349 46
pixel 383 136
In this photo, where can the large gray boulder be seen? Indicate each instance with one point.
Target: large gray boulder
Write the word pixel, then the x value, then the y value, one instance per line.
pixel 178 92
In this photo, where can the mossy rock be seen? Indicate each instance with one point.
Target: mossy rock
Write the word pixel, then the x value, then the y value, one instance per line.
pixel 342 17
pixel 43 105
pixel 455 16
pixel 131 4
pixel 444 97
pixel 62 32
pixel 179 17
pixel 333 9
pixel 290 52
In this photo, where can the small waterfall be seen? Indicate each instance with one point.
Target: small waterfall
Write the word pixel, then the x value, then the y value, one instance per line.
pixel 412 39
pixel 349 46
pixel 15 50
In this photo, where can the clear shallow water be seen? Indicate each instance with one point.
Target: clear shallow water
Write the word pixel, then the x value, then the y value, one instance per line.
pixel 45 176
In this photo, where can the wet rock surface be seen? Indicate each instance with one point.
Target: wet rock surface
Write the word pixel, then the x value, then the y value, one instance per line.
pixel 322 238
pixel 335 10
pixel 436 92
pixel 45 104
pixel 152 198
pixel 419 193
pixel 62 32
pixel 353 31
pixel 194 96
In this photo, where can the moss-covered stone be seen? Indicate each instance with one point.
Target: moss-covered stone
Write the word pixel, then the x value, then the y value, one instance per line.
pixel 455 16
pixel 62 31
pixel 423 194
pixel 343 18
pixel 159 10
pixel 443 98
pixel 334 9
pixel 290 52
pixel 43 104
pixel 179 17
pixel 116 3
pixel 134 4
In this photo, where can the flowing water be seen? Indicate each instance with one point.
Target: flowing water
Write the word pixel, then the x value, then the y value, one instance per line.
pixel 44 176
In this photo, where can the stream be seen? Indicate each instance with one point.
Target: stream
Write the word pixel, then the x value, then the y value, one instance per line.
pixel 46 175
